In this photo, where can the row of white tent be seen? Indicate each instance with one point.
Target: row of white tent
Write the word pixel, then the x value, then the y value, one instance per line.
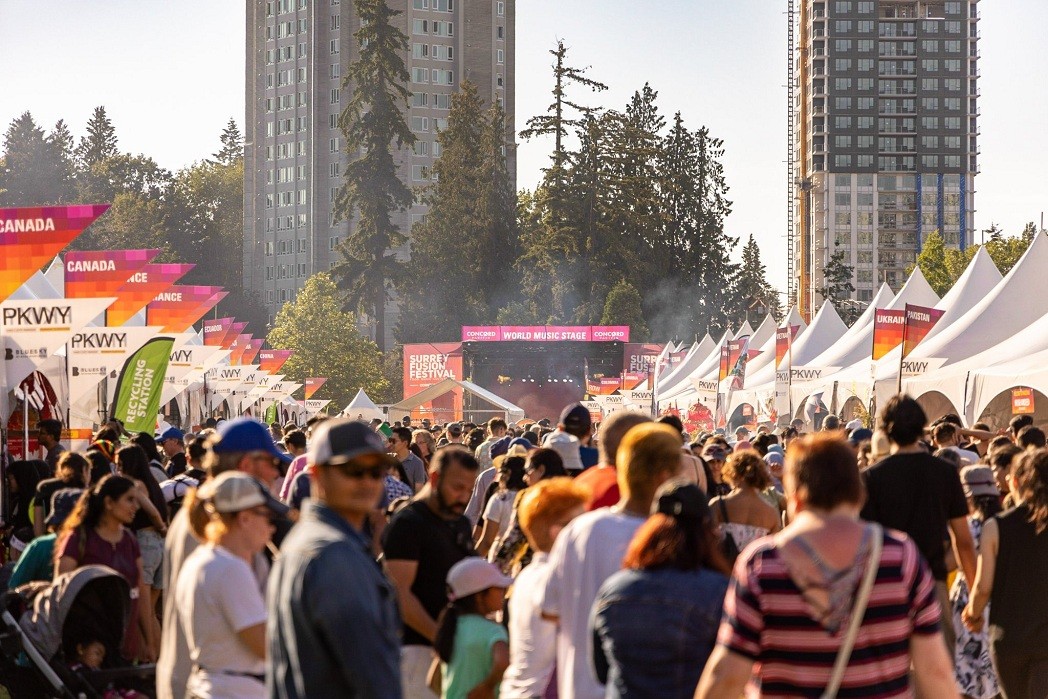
pixel 992 337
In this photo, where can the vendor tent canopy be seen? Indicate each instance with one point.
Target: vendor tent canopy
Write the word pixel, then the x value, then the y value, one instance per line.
pixel 426 395
pixel 682 390
pixel 679 374
pixel 363 407
pixel 763 332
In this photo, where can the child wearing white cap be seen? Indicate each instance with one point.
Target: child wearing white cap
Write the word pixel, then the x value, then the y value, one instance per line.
pixel 473 651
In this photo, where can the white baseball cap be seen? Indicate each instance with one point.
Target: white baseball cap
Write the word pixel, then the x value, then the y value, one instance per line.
pixel 235 491
pixel 472 575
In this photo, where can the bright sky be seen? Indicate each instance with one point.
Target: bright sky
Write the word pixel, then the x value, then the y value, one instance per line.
pixel 171 74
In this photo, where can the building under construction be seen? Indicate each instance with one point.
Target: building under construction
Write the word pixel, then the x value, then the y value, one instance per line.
pixel 883 131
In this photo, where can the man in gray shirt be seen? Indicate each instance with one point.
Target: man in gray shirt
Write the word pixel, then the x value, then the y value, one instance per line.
pixel 400 443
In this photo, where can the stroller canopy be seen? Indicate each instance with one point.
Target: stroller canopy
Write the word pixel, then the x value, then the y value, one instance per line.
pixel 94 599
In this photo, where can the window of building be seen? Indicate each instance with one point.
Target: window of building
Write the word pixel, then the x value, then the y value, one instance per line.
pixel 952 123
pixel 421 148
pixel 333 144
pixel 420 75
pixel 500 33
pixel 952 104
pixel 930 104
pixel 334 169
pixel 864 84
pixel 419 124
pixel 442 101
pixel 420 26
pixel 929 162
pixel 443 77
pixel 419 173
pixel 842 45
pixel 500 8
pixel 842 103
pixel 864 141
pixel 865 103
pixel 930 142
pixel 334 46
pixel 500 56
pixel 336 96
pixel 842 122
pixel 842 218
pixel 865 45
pixel 420 99
pixel 952 65
pixel 952 46
pixel 419 51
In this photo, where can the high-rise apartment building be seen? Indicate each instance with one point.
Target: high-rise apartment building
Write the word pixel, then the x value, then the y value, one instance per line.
pixel 885 136
pixel 297 53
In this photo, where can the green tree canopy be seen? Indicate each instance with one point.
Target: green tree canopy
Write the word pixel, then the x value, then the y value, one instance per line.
pixel 837 287
pixel 623 307
pixel 327 343
pixel 34 169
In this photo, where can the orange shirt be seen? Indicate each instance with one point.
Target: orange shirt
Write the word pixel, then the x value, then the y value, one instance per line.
pixel 603 485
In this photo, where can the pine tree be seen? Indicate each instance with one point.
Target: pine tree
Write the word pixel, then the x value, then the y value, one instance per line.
pixel 63 154
pixel 756 297
pixel 837 287
pixel 499 211
pixel 93 154
pixel 373 125
pixel 232 144
pixel 446 245
pixel 30 171
pixel 100 142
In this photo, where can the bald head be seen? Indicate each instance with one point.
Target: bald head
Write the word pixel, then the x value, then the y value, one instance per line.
pixel 613 429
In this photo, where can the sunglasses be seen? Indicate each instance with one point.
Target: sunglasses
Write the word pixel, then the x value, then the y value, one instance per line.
pixel 358 472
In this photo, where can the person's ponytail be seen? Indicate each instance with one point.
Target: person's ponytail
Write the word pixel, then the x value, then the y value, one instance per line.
pixel 447 624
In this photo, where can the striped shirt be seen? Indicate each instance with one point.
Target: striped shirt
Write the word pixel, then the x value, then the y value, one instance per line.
pixel 766 620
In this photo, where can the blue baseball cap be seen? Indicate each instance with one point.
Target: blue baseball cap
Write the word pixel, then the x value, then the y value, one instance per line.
pixel 520 441
pixel 171 433
pixel 500 447
pixel 245 434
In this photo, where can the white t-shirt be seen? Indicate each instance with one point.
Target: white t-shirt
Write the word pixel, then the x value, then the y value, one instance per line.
pixel 587 552
pixel 967 457
pixel 532 639
pixel 500 509
pixel 218 596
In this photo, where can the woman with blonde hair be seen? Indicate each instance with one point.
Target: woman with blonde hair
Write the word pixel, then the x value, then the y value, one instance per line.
pixel 219 603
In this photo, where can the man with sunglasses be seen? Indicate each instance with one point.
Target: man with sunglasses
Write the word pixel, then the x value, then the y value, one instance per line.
pixel 333 628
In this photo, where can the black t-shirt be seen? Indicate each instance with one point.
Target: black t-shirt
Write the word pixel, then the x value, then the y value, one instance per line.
pixel 916 494
pixel 417 534
pixel 176 465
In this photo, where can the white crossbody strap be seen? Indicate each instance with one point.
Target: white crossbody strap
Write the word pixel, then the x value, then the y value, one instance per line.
pixel 873 562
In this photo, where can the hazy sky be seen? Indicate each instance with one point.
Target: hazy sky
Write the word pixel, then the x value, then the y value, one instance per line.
pixel 172 73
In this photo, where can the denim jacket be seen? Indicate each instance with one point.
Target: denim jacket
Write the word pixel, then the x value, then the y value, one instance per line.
pixel 654 630
pixel 333 627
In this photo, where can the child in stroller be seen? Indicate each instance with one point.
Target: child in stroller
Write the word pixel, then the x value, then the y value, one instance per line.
pixel 42 625
pixel 89 654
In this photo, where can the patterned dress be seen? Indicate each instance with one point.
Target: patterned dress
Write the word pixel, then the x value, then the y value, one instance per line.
pixel 973 668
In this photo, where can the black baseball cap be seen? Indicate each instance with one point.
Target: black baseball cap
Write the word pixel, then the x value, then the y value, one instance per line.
pixel 576 419
pixel 338 442
pixel 681 500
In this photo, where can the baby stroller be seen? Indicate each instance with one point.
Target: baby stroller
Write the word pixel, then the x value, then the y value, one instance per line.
pixel 36 621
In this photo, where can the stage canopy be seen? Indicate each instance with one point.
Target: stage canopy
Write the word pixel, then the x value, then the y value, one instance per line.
pixel 512 412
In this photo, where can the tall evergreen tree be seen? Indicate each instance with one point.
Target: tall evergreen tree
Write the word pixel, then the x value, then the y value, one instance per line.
pixel 63 153
pixel 837 286
pixel 446 246
pixel 623 307
pixel 30 171
pixel 93 154
pixel 373 126
pixel 499 210
pixel 232 144
pixel 756 298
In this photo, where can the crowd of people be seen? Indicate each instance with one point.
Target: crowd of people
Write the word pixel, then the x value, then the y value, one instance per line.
pixel 574 560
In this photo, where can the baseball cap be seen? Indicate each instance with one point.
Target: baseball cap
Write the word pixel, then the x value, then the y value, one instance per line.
pixel 568 447
pixel 978 480
pixel 455 429
pixel 853 424
pixel 576 418
pixel 774 458
pixel 245 434
pixel 777 448
pixel 500 447
pixel 62 503
pixel 520 442
pixel 472 575
pixel 742 429
pixel 681 500
pixel 235 491
pixel 860 434
pixel 170 433
pixel 338 442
